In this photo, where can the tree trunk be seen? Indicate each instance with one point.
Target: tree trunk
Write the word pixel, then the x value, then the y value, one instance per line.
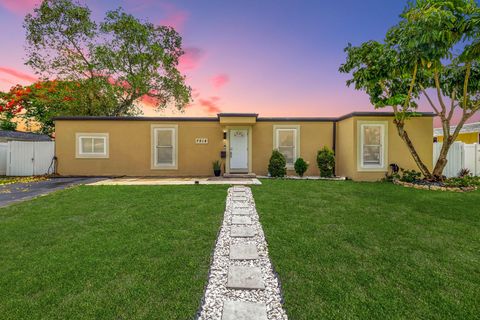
pixel 442 160
pixel 404 136
pixel 448 140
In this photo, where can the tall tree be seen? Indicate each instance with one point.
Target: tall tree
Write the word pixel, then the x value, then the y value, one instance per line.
pixel 434 48
pixel 8 112
pixel 41 101
pixel 116 62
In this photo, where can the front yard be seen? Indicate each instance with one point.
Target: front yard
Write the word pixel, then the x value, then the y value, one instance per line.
pixel 346 250
pixel 109 252
pixel 343 250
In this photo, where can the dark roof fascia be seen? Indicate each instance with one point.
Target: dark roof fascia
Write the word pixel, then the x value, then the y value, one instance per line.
pixel 97 118
pixel 237 115
pixel 296 119
pixel 379 114
pixel 215 119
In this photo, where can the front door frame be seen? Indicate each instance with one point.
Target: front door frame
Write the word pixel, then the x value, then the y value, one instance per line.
pixel 227 164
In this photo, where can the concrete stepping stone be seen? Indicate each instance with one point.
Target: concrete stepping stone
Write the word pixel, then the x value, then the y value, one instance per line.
pixel 235 198
pixel 241 212
pixel 241 219
pixel 239 193
pixel 242 232
pixel 236 188
pixel 240 277
pixel 244 251
pixel 240 205
pixel 240 310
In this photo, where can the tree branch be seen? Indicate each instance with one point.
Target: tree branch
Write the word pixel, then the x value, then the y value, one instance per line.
pixel 465 84
pixel 452 105
pixel 465 117
pixel 412 84
pixel 439 91
pixel 429 100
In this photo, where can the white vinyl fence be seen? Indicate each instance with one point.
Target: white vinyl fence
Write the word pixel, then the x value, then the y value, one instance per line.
pixel 3 158
pixel 460 156
pixel 26 158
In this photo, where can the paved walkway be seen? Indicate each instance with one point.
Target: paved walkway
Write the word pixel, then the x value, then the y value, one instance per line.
pixel 18 192
pixel 242 284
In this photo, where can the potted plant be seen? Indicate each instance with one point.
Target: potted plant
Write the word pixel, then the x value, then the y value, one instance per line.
pixel 217 167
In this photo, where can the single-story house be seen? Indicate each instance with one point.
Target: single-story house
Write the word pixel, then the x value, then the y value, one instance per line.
pixel 365 143
pixel 470 133
pixel 10 135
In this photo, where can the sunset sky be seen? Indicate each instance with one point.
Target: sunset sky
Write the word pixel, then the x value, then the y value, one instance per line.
pixel 275 58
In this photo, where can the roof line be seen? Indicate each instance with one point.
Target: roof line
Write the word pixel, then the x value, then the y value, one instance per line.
pixel 379 114
pixel 300 119
pixel 237 114
pixel 263 119
pixel 130 118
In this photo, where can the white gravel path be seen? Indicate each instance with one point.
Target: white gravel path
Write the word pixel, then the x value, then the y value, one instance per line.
pixel 216 292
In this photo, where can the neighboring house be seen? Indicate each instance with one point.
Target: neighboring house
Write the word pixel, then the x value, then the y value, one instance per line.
pixel 8 135
pixel 365 144
pixel 470 133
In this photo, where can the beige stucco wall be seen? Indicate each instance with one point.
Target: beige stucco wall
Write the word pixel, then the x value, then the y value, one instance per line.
pixel 130 147
pixel 419 129
pixel 345 156
pixel 313 136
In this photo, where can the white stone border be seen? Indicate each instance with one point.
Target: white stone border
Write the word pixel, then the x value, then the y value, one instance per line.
pixel 217 293
pixel 433 187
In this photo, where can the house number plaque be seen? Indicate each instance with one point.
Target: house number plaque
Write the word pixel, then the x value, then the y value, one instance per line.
pixel 201 140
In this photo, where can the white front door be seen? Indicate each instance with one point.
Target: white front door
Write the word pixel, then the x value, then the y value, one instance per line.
pixel 239 150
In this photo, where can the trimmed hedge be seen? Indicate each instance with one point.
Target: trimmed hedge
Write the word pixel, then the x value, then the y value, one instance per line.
pixel 277 165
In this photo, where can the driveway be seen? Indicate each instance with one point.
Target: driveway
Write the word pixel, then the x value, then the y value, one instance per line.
pixel 18 192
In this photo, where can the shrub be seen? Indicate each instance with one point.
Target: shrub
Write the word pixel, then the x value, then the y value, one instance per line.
pixel 277 165
pixel 300 166
pixel 462 182
pixel 409 175
pixel 326 162
pixel 464 173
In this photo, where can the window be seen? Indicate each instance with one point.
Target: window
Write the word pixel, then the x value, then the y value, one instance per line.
pixel 372 145
pixel 92 145
pixel 164 147
pixel 286 141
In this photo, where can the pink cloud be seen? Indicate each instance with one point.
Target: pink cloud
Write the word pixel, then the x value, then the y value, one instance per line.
pixel 174 17
pixel 191 59
pixel 19 6
pixel 18 74
pixel 6 80
pixel 219 80
pixel 149 101
pixel 195 93
pixel 210 105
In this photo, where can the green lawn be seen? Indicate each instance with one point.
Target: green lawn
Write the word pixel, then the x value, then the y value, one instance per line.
pixel 346 250
pixel 109 252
